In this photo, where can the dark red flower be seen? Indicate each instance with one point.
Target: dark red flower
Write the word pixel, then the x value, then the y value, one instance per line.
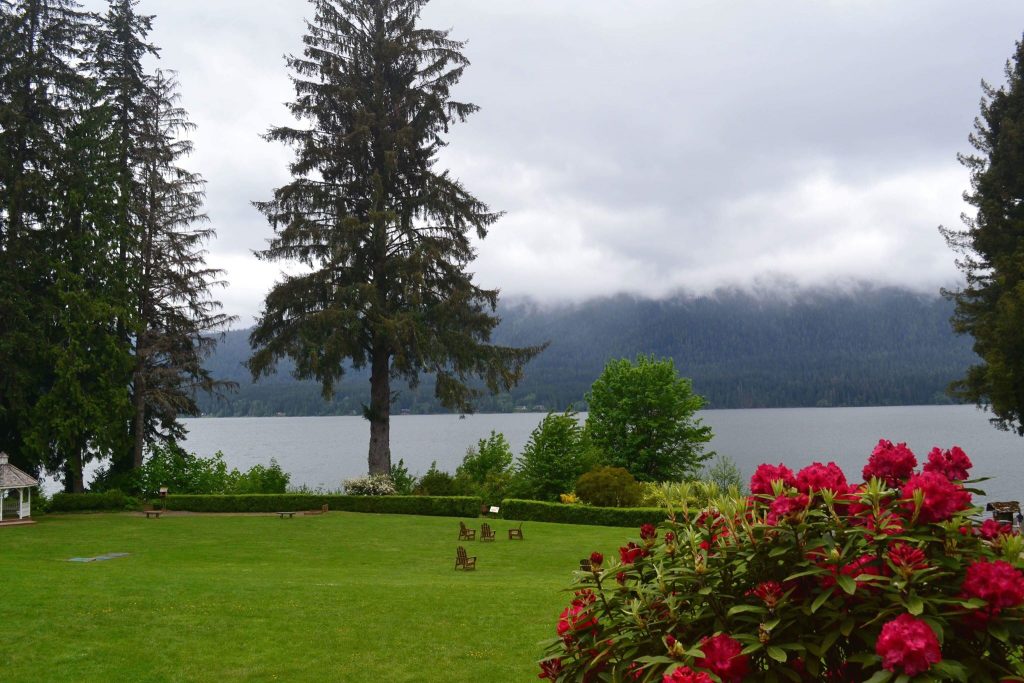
pixel 669 537
pixel 786 508
pixel 631 553
pixel 770 592
pixel 908 645
pixel 648 532
pixel 865 564
pixel 621 578
pixel 596 559
pixel 991 528
pixel 765 474
pixel 550 669
pixel 584 597
pixel 953 464
pixel 907 558
pixel 891 464
pixel 685 674
pixel 998 583
pixel 575 618
pixel 816 477
pixel 942 498
pixel 722 655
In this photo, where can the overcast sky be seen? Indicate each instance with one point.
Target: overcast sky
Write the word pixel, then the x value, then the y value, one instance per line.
pixel 645 146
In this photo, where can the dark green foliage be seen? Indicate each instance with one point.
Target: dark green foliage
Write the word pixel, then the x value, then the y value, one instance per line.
pixel 259 479
pixel 541 511
pixel 642 416
pixel 435 483
pixel 403 481
pixel 78 502
pixel 486 469
pixel 990 306
pixel 386 236
pixel 557 453
pixel 868 347
pixel 443 506
pixel 609 487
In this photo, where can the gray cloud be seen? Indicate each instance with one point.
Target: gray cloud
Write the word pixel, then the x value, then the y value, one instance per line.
pixel 645 146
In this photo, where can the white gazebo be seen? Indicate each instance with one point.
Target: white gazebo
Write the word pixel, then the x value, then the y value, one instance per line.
pixel 13 479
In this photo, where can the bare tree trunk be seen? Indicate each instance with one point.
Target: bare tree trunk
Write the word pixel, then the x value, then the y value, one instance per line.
pixel 139 411
pixel 379 414
pixel 74 479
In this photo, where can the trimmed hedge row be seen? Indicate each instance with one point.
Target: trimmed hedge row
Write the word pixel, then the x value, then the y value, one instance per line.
pixel 540 511
pixel 78 502
pixel 440 506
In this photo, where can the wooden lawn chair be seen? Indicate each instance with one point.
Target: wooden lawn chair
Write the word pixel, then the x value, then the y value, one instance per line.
pixel 486 532
pixel 465 533
pixel 516 534
pixel 462 560
pixel 586 571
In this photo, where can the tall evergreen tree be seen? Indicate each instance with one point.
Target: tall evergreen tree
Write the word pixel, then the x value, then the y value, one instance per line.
pixel 990 306
pixel 384 234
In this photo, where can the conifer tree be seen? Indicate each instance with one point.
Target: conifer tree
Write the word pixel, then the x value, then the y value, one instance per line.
pixel 384 234
pixel 990 306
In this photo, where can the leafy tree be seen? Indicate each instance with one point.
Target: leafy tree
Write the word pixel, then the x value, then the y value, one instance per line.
pixel 404 482
pixel 435 482
pixel 557 453
pixel 485 469
pixel 609 487
pixel 643 417
pixel 384 234
pixel 724 473
pixel 990 306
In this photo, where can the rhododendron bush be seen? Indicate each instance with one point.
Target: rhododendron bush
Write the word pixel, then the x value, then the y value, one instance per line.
pixel 812 577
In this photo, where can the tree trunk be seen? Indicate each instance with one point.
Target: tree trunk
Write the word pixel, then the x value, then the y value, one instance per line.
pixel 74 479
pixel 379 414
pixel 139 411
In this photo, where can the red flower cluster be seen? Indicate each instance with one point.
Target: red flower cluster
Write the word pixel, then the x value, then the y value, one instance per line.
pixel 891 464
pixel 865 564
pixel 685 674
pixel 942 498
pixel 596 560
pixel 764 475
pixel 551 669
pixel 816 477
pixel 908 645
pixel 648 532
pixel 953 463
pixel 907 558
pixel 577 617
pixel 770 592
pixel 722 656
pixel 991 528
pixel 786 508
pixel 631 553
pixel 997 582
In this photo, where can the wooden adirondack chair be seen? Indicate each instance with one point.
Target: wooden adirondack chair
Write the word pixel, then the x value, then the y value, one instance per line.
pixel 486 532
pixel 462 560
pixel 465 533
pixel 516 534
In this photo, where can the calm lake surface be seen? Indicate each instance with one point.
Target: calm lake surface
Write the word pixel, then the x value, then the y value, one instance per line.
pixel 322 451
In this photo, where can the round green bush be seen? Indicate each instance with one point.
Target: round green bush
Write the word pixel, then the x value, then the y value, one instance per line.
pixel 609 487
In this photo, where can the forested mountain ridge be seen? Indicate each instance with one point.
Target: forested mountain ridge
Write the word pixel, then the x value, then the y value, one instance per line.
pixel 814 348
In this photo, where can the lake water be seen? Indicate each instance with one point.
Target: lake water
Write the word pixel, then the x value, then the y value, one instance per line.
pixel 322 451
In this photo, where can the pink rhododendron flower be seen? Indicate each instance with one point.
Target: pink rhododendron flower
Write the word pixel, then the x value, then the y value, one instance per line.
pixel 685 674
pixel 953 463
pixel 575 618
pixel 786 508
pixel 908 645
pixel 998 583
pixel 765 474
pixel 816 477
pixel 891 464
pixel 942 498
pixel 722 656
pixel 907 558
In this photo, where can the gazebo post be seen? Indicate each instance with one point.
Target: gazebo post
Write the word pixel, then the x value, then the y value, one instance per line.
pixel 21 505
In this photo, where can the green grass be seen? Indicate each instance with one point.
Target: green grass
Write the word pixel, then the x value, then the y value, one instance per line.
pixel 338 597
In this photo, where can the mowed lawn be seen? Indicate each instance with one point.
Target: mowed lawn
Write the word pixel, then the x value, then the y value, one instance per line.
pixel 336 597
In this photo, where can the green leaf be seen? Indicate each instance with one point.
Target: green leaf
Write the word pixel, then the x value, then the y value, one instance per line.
pixel 820 600
pixel 847 584
pixel 915 605
pixel 881 676
pixel 737 609
pixel 846 628
pixel 778 654
pixel 999 632
pixel 948 668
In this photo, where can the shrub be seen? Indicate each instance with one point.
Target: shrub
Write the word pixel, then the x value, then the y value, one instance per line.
pixel 485 469
pixel 372 485
pixel 259 479
pixel 609 487
pixel 448 506
pixel 543 511
pixel 79 502
pixel 809 578
pixel 435 483
pixel 400 477
pixel 557 453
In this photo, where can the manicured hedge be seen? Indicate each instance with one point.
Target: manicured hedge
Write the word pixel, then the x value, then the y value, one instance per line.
pixel 441 506
pixel 77 502
pixel 540 511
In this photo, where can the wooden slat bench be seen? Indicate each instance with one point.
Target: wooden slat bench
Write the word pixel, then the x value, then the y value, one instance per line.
pixel 282 514
pixel 153 513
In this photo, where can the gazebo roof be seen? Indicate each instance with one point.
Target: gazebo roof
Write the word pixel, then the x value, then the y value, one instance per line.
pixel 13 478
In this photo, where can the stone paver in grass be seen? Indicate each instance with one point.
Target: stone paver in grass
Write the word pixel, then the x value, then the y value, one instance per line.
pixel 98 558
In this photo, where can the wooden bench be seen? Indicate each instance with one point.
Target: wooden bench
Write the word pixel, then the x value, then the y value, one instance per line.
pixel 153 513
pixel 465 533
pixel 282 514
pixel 516 534
pixel 486 532
pixel 464 561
